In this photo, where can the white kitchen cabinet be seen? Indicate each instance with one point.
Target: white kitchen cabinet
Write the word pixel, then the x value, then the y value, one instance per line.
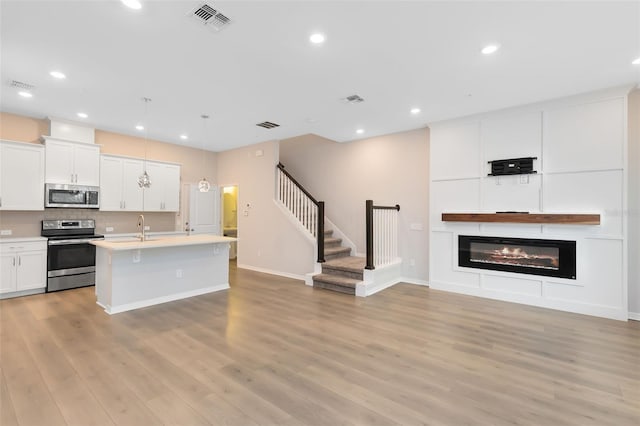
pixel 119 189
pixel 21 176
pixel 24 266
pixel 164 193
pixel 72 163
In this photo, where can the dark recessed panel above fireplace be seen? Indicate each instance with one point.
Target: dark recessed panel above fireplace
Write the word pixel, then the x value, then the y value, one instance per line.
pixel 552 258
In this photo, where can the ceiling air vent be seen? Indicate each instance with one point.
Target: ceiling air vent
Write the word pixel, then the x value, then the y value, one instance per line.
pixel 210 17
pixel 353 99
pixel 20 85
pixel 268 125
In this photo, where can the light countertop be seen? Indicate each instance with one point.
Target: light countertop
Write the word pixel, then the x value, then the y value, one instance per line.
pixel 159 242
pixel 22 240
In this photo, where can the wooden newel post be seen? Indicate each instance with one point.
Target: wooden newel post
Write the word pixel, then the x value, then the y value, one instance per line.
pixel 369 233
pixel 320 237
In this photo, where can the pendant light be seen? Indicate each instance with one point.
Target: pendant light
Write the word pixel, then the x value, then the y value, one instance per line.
pixel 143 180
pixel 204 184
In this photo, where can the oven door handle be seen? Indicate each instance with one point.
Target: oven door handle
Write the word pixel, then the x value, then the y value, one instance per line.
pixel 66 242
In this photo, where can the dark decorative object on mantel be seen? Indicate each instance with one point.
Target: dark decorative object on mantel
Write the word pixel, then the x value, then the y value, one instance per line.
pixel 512 166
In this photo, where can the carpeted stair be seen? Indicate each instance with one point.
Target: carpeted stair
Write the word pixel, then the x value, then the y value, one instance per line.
pixel 341 271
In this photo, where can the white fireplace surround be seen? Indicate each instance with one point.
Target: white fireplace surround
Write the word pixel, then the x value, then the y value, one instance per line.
pixel 582 149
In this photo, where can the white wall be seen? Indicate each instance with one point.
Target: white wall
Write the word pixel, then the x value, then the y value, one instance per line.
pixel 634 205
pixel 391 169
pixel 581 146
pixel 267 240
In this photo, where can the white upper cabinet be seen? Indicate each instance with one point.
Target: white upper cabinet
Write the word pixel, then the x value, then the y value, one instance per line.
pixel 164 193
pixel 21 176
pixel 119 190
pixel 72 163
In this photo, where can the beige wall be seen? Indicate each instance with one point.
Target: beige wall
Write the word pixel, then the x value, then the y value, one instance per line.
pixel 634 203
pixel 389 170
pixel 194 164
pixel 267 239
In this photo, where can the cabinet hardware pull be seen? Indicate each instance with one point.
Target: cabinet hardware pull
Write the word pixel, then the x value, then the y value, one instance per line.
pixel 14 261
pixel 19 261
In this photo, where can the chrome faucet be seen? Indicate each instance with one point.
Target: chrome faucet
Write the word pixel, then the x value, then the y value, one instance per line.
pixel 142 235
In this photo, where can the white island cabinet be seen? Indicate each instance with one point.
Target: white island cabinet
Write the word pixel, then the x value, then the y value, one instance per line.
pixel 135 274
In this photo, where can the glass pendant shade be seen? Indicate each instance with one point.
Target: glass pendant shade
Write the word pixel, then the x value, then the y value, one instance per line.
pixel 143 180
pixel 204 185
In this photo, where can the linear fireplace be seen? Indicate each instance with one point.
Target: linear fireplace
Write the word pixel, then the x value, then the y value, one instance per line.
pixel 554 258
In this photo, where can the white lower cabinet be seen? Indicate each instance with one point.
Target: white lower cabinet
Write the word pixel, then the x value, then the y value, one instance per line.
pixel 23 266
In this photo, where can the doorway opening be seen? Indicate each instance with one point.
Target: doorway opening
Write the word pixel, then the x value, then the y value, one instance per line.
pixel 230 216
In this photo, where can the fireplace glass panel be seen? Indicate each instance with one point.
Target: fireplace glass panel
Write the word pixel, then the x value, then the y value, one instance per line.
pixel 516 255
pixel 556 258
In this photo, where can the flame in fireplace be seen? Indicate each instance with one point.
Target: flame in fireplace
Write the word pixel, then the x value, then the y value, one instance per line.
pixel 516 256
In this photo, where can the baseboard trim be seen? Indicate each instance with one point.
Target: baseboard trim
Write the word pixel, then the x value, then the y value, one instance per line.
pixel 634 316
pixel 111 310
pixel 414 281
pixel 272 272
pixel 22 293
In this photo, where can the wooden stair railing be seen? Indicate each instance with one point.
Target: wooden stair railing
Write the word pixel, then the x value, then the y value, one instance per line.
pixel 381 234
pixel 308 210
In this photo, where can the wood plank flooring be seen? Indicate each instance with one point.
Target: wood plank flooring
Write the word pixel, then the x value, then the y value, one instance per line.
pixel 272 351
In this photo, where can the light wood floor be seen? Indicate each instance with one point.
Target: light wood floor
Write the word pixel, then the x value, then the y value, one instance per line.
pixel 272 351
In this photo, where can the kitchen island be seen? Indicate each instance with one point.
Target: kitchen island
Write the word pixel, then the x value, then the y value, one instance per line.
pixel 135 274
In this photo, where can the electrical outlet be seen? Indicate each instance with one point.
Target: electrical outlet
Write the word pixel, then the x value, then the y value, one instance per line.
pixel 147 227
pixel 416 227
pixel 412 262
pixel 109 229
pixel 178 273
pixel 6 232
pixel 136 256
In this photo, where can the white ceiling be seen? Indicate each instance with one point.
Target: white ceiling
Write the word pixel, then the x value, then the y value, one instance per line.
pixel 396 55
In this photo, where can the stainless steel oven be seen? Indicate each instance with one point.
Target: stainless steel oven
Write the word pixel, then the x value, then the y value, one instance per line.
pixel 71 260
pixel 71 196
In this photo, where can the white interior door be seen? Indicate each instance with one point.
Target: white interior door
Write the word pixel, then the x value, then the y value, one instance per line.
pixel 204 211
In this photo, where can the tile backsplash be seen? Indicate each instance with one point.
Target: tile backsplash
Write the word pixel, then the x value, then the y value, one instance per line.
pixel 28 223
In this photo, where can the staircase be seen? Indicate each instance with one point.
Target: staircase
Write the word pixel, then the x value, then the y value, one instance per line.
pixel 341 272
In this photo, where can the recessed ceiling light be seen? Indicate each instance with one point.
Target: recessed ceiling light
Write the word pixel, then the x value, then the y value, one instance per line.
pixel 415 110
pixel 140 127
pixel 360 131
pixel 184 137
pixel 133 4
pixel 491 48
pixel 82 115
pixel 317 38
pixel 58 75
pixel 636 61
pixel 25 94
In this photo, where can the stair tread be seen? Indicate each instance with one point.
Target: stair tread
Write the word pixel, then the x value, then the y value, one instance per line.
pixel 334 250
pixel 332 240
pixel 349 263
pixel 337 280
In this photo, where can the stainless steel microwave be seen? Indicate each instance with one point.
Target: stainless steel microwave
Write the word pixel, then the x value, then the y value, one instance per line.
pixel 71 196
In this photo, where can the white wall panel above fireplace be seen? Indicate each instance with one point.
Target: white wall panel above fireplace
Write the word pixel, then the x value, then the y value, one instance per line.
pixel 512 136
pixel 451 196
pixel 588 192
pixel 511 193
pixel 458 153
pixel 588 136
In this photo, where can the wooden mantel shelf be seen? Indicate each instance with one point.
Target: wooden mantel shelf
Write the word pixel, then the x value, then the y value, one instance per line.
pixel 543 218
